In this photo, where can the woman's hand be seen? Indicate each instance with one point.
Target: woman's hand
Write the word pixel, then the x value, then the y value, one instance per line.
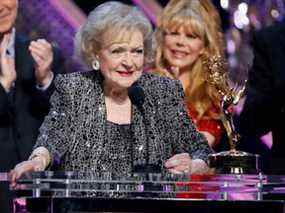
pixel 179 163
pixel 23 168
pixel 198 166
pixel 182 163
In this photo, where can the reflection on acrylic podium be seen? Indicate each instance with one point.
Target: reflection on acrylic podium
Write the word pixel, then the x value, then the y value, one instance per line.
pixel 58 192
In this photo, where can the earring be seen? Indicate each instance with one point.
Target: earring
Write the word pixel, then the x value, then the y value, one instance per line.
pixel 95 65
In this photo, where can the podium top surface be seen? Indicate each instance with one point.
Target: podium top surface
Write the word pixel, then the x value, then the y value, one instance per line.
pixel 86 184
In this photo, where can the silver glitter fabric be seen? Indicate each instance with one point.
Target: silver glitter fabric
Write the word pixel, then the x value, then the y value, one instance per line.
pixel 75 128
pixel 116 156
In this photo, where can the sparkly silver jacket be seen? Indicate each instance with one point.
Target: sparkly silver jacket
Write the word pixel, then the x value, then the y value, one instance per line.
pixel 73 131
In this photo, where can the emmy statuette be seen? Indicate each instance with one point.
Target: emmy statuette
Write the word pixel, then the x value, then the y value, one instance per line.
pixel 232 161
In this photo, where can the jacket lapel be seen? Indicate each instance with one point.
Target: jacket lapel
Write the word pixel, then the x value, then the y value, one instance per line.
pixel 147 143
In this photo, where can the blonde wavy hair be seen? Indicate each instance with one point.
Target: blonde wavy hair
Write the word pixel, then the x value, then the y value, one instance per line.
pixel 198 17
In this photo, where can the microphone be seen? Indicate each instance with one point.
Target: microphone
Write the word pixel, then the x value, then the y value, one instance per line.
pixel 137 97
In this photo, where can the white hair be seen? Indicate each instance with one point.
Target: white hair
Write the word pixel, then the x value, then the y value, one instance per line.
pixel 114 16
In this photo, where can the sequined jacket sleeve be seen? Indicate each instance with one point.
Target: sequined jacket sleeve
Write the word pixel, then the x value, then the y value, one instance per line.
pixel 56 130
pixel 181 132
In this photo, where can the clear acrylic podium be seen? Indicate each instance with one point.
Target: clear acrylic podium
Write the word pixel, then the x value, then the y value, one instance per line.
pixel 91 192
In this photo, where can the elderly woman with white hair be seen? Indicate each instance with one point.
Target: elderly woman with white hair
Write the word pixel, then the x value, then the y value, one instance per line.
pixel 116 118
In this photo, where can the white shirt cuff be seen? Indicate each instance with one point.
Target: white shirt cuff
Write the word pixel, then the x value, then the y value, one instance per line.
pixel 44 88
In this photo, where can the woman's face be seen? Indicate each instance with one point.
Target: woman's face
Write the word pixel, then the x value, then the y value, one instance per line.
pixel 121 63
pixel 182 49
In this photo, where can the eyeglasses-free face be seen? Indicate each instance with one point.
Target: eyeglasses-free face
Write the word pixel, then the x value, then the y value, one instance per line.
pixel 121 63
pixel 8 14
pixel 182 49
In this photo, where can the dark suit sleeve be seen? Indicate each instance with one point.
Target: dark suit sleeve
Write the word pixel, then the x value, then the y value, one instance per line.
pixel 259 109
pixel 185 137
pixel 4 101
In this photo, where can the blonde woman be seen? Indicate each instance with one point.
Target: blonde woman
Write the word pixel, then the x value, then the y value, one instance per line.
pixel 188 32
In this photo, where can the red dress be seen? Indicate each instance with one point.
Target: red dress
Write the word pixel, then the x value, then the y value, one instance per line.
pixel 214 127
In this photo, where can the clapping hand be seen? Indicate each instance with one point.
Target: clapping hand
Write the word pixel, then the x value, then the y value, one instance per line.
pixel 8 73
pixel 42 53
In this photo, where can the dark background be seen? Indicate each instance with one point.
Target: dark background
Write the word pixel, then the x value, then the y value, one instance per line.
pixel 87 6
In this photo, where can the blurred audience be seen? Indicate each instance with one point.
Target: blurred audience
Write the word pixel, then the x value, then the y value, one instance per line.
pixel 26 83
pixel 264 108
